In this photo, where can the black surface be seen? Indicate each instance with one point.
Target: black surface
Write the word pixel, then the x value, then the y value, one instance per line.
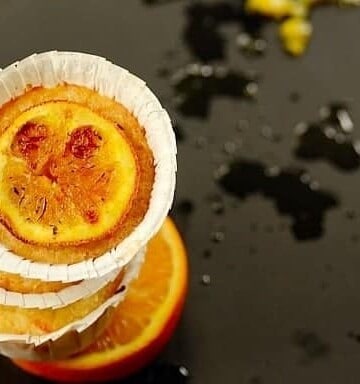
pixel 277 310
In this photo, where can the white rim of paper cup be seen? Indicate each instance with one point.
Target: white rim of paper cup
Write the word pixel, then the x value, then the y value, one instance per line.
pixel 62 298
pixel 16 345
pixel 53 68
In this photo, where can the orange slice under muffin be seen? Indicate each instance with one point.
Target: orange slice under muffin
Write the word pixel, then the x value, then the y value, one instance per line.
pixel 76 174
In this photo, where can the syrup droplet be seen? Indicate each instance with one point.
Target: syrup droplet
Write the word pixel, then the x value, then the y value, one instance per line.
pixel 306 206
pixel 205 279
pixel 217 236
pixel 329 138
pixel 196 85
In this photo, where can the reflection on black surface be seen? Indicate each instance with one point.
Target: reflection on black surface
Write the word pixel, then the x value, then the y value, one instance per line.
pixel 196 85
pixel 311 344
pixel 330 138
pixel 160 373
pixel 202 34
pixel 292 190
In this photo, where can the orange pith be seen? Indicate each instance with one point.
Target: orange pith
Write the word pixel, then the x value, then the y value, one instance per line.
pixel 141 325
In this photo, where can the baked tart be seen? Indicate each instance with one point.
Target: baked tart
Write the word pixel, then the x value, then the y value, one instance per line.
pixel 76 174
pixel 87 177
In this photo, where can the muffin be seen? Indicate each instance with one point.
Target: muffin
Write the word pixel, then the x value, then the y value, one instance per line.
pixel 87 177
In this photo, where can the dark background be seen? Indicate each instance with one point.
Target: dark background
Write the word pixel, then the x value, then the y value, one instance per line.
pixel 277 310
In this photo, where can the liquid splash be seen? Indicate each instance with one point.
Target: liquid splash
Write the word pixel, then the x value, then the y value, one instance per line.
pixel 203 35
pixel 293 194
pixel 196 85
pixel 330 138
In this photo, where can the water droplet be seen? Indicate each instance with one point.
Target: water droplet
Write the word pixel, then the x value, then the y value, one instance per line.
pixel 196 85
pixel 251 89
pixel 260 45
pixel 314 185
pixel 272 171
pixel 305 178
pixel 205 279
pixel 184 371
pixel 200 142
pixel 253 46
pixel 330 138
pixel 217 205
pixel 203 33
pixel 301 128
pixel 207 70
pixel 330 132
pixel 345 121
pixel 230 147
pixel 242 125
pixel 324 112
pixel 161 373
pixel 268 133
pixel 218 236
pixel 222 170
pixel 243 40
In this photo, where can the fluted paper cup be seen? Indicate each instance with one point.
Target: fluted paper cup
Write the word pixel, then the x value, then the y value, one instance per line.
pixel 73 337
pixel 50 69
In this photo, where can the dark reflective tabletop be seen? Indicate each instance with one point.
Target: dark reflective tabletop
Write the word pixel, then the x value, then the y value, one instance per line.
pixel 268 207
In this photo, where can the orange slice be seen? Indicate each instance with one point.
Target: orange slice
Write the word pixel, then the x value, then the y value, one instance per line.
pixel 141 325
pixel 68 168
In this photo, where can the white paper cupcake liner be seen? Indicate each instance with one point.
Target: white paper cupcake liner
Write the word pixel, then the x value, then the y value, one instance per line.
pixel 52 68
pixel 55 300
pixel 75 336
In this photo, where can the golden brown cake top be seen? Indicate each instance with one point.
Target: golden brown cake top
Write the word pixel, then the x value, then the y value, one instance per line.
pixel 76 174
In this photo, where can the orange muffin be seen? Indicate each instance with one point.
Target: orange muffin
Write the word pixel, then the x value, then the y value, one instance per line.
pixel 16 283
pixel 76 174
pixel 37 322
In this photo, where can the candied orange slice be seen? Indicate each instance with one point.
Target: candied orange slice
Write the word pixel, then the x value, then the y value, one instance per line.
pixel 68 174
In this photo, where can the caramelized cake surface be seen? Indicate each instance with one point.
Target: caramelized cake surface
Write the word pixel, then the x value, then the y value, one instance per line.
pixel 76 174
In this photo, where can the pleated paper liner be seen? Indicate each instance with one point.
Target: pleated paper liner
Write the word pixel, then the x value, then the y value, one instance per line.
pixel 74 336
pixel 54 68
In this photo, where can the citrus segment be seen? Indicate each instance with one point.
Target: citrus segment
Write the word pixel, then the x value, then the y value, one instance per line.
pixel 142 323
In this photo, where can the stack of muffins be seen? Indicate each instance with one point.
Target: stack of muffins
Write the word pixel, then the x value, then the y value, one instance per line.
pixel 87 177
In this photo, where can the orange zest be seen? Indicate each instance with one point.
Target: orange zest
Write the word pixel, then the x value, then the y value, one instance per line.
pixel 142 324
